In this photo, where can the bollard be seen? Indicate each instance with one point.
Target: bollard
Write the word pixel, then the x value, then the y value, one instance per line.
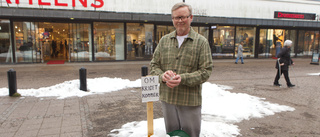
pixel 83 79
pixel 12 82
pixel 144 71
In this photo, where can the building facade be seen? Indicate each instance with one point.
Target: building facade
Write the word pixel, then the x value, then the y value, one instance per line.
pixel 37 31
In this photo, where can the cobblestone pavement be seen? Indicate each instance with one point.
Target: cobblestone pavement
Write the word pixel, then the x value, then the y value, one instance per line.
pixel 97 115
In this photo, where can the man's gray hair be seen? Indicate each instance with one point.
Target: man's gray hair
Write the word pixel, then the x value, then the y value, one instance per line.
pixel 181 4
pixel 287 43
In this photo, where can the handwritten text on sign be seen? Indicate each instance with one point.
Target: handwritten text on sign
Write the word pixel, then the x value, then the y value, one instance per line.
pixel 150 88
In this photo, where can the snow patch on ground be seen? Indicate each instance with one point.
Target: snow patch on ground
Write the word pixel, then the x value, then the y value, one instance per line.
pixel 72 88
pixel 314 74
pixel 221 109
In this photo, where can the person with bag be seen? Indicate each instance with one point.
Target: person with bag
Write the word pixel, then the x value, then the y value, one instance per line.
pixel 283 62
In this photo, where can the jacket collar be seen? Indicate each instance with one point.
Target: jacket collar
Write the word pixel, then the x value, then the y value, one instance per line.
pixel 191 34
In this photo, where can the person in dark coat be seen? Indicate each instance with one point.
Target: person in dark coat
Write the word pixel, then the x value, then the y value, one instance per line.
pixel 284 61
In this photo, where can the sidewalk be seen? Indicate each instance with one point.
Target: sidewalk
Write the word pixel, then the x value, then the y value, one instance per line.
pixel 97 115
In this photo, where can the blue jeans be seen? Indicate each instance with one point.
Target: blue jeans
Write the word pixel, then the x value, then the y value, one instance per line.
pixel 238 59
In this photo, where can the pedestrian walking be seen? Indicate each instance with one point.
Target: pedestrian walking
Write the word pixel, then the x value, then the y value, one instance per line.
pixel 283 63
pixel 183 61
pixel 240 53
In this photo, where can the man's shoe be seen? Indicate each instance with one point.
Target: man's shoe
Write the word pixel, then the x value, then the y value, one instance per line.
pixel 277 85
pixel 236 63
pixel 242 62
pixel 290 86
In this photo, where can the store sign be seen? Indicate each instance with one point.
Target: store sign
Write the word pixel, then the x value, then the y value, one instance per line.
pixel 315 58
pixel 150 88
pixel 292 15
pixel 61 3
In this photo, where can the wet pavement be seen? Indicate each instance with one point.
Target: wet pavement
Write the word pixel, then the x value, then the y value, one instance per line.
pixel 97 115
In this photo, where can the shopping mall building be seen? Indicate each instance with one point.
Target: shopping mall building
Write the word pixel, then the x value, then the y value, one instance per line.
pixel 37 31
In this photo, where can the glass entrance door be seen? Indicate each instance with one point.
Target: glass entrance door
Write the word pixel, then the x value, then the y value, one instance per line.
pixel 53 40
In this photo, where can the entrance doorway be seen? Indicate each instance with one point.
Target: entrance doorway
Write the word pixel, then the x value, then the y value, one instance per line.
pixel 46 41
pixel 54 40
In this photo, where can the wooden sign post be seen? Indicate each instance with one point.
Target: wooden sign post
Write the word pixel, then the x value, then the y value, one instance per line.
pixel 150 118
pixel 150 92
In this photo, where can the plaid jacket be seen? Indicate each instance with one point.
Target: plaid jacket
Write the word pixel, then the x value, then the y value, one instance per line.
pixel 192 61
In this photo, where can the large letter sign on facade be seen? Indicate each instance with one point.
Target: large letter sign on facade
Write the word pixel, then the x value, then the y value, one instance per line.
pixel 150 88
pixel 98 6
pixel 62 3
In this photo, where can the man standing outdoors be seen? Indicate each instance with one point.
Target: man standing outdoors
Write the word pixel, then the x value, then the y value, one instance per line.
pixel 183 61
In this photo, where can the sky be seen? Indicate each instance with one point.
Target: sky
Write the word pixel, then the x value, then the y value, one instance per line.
pixel 221 109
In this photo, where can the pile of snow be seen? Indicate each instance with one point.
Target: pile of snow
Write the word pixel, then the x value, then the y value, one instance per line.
pixel 220 111
pixel 71 88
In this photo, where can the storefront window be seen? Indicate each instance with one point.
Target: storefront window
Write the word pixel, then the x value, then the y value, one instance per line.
pixel 223 39
pixel 265 43
pixel 80 37
pixel 247 36
pixel 27 49
pixel 308 43
pixel 139 41
pixel 5 43
pixel 163 30
pixel 109 41
pixel 272 40
pixel 316 43
pixel 204 31
pixel 291 35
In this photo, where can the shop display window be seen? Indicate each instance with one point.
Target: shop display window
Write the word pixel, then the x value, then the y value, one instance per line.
pixel 265 42
pixel 308 43
pixel 223 41
pixel 291 35
pixel 204 31
pixel 108 41
pixel 26 42
pixel 140 41
pixel 80 42
pixel 5 43
pixel 247 36
pixel 163 30
pixel 272 40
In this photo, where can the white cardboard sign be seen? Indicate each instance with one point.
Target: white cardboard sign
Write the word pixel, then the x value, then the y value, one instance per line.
pixel 150 88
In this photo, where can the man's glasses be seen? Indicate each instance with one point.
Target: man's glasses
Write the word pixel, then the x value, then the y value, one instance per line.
pixel 180 18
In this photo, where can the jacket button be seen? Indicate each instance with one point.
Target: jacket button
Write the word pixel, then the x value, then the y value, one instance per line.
pixel 177 57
